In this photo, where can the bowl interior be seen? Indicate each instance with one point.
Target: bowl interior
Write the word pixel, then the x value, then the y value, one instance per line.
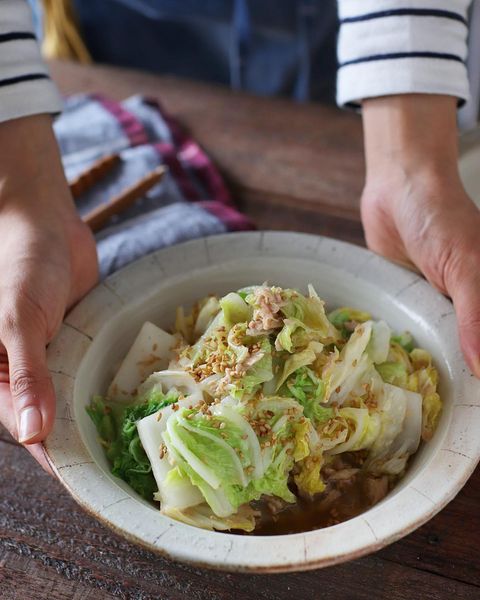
pixel 336 286
pixel 98 332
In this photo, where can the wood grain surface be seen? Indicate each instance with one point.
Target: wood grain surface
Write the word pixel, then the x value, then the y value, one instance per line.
pixel 290 167
pixel 49 545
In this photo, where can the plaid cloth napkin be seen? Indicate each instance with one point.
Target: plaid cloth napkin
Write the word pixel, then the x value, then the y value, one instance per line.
pixel 190 202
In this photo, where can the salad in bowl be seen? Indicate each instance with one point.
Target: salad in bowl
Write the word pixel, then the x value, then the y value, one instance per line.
pixel 261 413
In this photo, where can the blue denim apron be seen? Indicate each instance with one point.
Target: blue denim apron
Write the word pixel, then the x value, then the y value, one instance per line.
pixel 268 47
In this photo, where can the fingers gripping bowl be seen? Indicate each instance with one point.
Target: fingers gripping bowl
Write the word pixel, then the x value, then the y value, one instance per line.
pixel 98 333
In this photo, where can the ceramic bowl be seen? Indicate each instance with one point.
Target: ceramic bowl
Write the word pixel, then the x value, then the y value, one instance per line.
pixel 98 332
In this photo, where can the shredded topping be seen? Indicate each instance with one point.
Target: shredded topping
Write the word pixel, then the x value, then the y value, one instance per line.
pixel 268 302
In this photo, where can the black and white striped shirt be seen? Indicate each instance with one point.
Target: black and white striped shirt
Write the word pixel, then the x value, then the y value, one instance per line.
pixel 25 88
pixel 385 47
pixel 401 46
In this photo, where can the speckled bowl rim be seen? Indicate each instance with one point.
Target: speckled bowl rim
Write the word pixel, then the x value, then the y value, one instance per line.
pixel 430 490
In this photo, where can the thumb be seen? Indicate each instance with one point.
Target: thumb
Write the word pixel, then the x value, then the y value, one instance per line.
pixel 464 289
pixel 31 387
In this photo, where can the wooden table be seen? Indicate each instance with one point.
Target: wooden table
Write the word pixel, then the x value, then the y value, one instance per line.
pixel 290 167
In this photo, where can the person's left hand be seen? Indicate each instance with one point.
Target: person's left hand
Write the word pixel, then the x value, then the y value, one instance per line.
pixel 430 223
pixel 415 210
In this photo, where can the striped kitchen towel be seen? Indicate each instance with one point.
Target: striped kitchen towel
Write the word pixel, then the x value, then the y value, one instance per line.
pixel 190 202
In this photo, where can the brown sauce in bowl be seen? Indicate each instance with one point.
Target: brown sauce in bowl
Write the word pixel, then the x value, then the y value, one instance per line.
pixel 350 491
pixel 330 508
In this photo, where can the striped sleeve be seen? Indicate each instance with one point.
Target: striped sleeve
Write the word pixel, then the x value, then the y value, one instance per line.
pixel 25 87
pixel 390 47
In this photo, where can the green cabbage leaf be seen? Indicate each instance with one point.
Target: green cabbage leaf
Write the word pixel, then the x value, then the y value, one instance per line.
pixel 117 430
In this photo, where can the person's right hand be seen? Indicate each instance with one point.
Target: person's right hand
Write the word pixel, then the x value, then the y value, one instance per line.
pixel 48 262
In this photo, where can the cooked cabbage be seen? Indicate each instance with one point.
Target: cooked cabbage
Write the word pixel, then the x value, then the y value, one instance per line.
pixel 266 399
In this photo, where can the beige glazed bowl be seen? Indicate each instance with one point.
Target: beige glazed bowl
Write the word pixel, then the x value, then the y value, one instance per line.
pixel 98 332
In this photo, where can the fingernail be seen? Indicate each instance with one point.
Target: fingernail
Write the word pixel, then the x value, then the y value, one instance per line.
pixel 476 366
pixel 29 424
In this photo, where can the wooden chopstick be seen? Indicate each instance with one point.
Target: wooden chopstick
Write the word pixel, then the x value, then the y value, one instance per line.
pixel 99 216
pixel 93 174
